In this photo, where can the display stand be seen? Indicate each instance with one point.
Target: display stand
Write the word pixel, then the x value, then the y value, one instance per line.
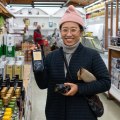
pixel 113 52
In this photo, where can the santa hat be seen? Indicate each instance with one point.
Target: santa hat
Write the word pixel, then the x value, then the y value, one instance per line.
pixel 71 15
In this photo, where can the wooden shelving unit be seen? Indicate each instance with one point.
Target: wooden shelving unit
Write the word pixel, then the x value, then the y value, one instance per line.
pixel 101 8
pixel 4 12
pixel 113 52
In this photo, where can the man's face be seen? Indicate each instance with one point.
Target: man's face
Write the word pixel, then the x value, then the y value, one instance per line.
pixel 70 33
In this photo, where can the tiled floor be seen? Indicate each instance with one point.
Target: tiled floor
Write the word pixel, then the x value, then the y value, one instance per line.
pixel 112 109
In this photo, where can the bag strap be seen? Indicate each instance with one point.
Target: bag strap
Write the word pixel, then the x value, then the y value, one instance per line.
pixel 66 63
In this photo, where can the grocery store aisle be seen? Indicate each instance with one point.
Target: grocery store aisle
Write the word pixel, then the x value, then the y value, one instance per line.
pixel 112 109
pixel 38 99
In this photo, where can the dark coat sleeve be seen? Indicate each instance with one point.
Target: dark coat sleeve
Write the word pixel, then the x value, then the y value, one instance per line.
pixel 42 77
pixel 103 81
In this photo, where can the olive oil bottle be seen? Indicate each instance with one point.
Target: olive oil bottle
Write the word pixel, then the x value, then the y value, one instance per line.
pixel 10 46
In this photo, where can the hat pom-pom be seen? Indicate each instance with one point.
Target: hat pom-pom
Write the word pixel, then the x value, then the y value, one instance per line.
pixel 71 7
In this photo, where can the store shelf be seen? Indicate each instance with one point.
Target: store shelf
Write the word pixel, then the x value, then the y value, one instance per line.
pixel 31 16
pixel 96 18
pixel 117 48
pixel 115 92
pixel 96 10
pixel 3 11
pixel 113 52
pixel 32 28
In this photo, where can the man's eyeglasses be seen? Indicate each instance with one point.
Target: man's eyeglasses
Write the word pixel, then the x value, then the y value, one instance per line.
pixel 72 30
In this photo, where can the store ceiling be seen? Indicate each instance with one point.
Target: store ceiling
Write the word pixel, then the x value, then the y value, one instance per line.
pixel 49 3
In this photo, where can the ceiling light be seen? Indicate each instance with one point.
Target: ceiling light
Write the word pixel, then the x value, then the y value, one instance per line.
pixel 49 3
pixel 93 3
pixel 20 5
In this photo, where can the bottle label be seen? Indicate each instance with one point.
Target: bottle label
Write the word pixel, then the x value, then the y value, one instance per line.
pixel 37 55
pixel 9 48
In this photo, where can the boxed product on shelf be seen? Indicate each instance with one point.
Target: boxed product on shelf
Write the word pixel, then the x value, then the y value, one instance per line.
pixel 19 69
pixel 11 103
pixel 19 56
pixel 15 68
pixel 10 68
pixel 113 62
pixel 26 45
pixel 115 72
pixel 115 41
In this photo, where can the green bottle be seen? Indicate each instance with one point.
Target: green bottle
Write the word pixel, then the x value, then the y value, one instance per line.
pixel 10 46
pixel 0 49
pixel 1 46
pixel 4 44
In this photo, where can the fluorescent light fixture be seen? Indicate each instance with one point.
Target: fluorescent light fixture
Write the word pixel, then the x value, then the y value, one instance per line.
pixel 93 3
pixel 26 5
pixel 98 2
pixel 49 3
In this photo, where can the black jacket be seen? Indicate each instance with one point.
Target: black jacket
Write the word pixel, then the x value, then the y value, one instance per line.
pixel 59 107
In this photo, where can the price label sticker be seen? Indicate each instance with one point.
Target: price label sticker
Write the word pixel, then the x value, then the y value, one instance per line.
pixel 37 55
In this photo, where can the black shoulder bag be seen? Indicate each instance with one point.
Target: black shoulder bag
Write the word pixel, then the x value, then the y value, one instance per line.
pixel 94 101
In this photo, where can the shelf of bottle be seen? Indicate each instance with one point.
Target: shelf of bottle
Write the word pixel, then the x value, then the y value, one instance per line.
pixel 115 92
pixel 32 28
pixel 31 16
pixel 101 8
pixel 116 48
pixel 96 18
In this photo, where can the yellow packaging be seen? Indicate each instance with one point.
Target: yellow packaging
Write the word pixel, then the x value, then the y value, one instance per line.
pixel 6 118
pixel 8 110
pixel 4 90
pixel 18 70
pixel 8 114
pixel 9 70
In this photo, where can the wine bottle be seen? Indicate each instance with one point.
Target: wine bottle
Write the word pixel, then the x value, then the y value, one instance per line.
pixel 37 61
pixel 7 79
pixel 1 80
